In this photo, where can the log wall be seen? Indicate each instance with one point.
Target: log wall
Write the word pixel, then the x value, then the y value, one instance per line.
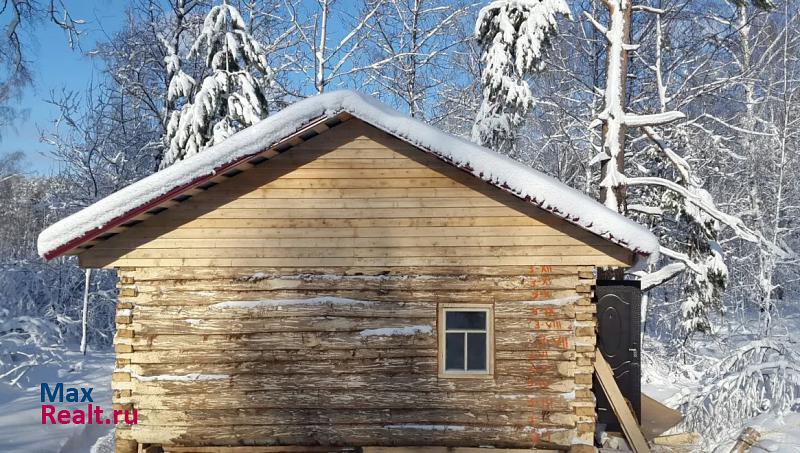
pixel 300 373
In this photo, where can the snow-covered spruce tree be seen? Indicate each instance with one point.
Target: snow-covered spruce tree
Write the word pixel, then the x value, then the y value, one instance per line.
pixel 514 36
pixel 232 95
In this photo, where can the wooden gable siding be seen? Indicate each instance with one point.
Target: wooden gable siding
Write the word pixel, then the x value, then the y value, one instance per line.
pixel 291 373
pixel 353 197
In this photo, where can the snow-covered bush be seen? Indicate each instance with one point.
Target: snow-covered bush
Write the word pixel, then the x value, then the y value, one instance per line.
pixel 40 313
pixel 759 377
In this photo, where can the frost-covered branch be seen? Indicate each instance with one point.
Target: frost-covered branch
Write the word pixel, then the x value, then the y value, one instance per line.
pixel 654 119
pixel 702 201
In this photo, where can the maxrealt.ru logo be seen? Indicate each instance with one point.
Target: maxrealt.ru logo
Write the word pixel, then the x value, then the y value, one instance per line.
pixel 92 414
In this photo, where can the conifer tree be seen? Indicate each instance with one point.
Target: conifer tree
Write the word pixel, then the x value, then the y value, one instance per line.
pixel 229 98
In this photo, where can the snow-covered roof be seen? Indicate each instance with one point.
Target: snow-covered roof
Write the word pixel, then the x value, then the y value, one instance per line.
pixel 533 186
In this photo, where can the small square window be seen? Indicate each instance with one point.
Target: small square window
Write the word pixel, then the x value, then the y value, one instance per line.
pixel 465 340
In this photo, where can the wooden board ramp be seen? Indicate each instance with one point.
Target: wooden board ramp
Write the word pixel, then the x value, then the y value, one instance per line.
pixel 626 418
pixel 301 449
pixel 657 418
pixel 256 449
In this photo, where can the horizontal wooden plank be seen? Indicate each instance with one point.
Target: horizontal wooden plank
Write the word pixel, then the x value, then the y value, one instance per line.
pixel 486 226
pixel 337 399
pixel 302 212
pixel 156 325
pixel 225 193
pixel 329 283
pixel 386 366
pixel 546 341
pixel 351 203
pixel 498 296
pixel 210 417
pixel 361 252
pixel 508 386
pixel 450 450
pixel 214 356
pixel 241 449
pixel 267 241
pixel 377 183
pixel 90 261
pixel 249 273
pixel 313 449
pixel 356 148
pixel 378 309
pixel 267 171
pixel 256 230
pixel 335 160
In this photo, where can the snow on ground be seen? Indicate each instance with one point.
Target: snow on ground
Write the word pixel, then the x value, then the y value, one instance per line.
pixel 665 377
pixel 778 434
pixel 21 430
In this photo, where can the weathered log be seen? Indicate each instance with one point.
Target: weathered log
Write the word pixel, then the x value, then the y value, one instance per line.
pixel 388 435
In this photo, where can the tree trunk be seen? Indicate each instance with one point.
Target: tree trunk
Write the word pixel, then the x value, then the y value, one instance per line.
pixel 85 319
pixel 613 188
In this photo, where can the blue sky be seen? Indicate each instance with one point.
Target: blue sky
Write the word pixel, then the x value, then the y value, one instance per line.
pixel 56 66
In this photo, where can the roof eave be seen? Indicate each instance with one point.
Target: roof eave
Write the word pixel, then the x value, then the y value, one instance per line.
pixel 177 191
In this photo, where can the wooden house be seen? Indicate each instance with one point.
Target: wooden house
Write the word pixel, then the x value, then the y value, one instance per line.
pixel 343 276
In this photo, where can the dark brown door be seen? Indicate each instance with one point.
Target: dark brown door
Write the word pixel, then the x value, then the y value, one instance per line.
pixel 618 338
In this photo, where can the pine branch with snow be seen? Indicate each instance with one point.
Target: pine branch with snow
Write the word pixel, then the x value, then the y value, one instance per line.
pixel 231 97
pixel 514 36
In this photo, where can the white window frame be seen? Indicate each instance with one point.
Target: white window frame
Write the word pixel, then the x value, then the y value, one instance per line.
pixel 442 331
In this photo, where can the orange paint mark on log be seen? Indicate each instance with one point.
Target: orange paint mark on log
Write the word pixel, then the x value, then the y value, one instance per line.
pixel 541 280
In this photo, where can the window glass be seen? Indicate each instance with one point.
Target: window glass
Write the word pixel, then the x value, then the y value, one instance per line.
pixel 454 351
pixel 466 320
pixel 476 352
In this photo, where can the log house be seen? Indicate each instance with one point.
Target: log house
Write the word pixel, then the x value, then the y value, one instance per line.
pixel 342 276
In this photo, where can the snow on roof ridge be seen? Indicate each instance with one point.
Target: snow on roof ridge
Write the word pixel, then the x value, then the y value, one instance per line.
pixel 525 182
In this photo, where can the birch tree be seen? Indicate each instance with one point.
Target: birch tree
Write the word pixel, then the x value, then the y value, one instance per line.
pixel 330 37
pixel 409 45
pixel 678 192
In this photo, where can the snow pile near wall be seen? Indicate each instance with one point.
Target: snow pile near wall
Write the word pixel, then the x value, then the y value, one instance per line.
pixel 191 377
pixel 256 304
pixel 514 177
pixel 396 331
